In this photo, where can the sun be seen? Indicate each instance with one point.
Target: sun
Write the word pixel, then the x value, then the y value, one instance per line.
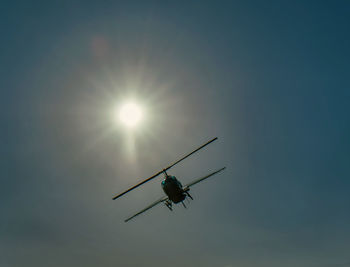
pixel 130 114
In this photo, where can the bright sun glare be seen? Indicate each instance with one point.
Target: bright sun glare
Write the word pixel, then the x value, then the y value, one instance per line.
pixel 130 114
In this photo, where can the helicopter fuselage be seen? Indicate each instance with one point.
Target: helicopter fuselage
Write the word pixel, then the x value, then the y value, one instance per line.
pixel 175 192
pixel 173 189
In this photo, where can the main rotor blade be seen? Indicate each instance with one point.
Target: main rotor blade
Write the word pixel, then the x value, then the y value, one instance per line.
pixel 186 187
pixel 167 168
pixel 147 208
pixel 207 143
pixel 141 183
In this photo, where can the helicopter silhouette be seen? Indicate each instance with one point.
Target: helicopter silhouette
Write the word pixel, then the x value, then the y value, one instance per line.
pixel 175 192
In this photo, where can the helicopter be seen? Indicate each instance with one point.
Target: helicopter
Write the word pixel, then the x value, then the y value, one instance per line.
pixel 175 192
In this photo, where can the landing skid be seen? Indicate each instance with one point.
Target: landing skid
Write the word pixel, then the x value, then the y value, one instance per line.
pixel 169 205
pixel 188 194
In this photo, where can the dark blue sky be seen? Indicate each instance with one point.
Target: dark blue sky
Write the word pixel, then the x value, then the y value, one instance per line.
pixel 270 79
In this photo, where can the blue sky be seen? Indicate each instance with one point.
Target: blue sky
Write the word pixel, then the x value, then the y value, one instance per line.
pixel 270 79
